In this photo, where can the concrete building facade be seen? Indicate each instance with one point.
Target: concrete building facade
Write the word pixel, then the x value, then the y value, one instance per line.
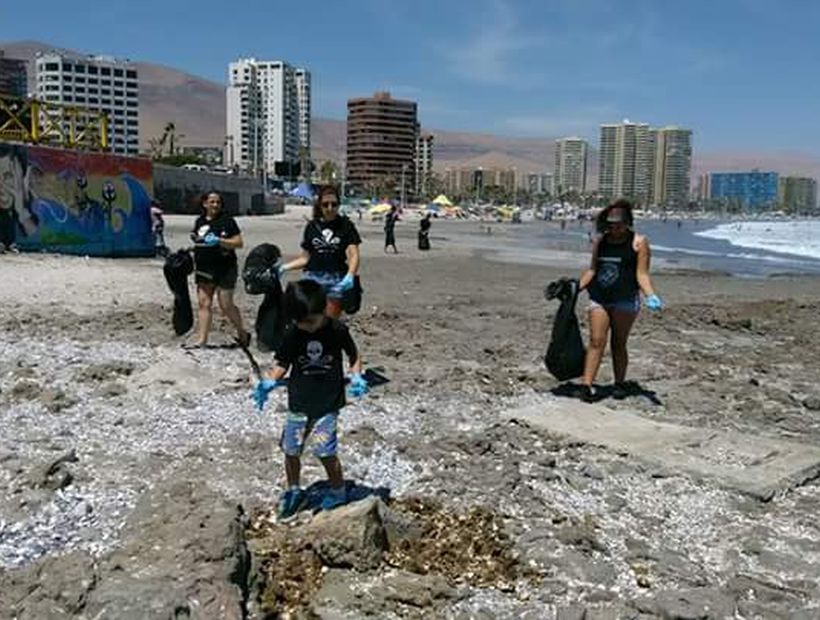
pixel 423 163
pixel 268 116
pixel 753 190
pixel 570 172
pixel 13 76
pixel 98 84
pixel 461 181
pixel 381 141
pixel 798 194
pixel 625 161
pixel 671 167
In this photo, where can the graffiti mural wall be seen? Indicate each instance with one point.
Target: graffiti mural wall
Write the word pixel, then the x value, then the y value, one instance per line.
pixel 74 202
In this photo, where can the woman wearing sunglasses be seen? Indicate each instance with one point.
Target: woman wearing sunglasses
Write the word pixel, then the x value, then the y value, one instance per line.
pixel 619 273
pixel 330 250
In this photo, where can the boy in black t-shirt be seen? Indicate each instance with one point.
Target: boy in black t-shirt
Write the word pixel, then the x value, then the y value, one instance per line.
pixel 312 351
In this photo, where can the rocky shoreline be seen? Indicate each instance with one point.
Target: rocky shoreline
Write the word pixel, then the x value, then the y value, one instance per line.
pixel 136 480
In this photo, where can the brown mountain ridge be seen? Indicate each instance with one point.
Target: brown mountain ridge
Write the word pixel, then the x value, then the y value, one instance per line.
pixel 196 106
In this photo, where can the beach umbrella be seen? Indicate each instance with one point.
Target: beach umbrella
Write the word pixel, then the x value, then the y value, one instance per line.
pixel 442 201
pixel 379 209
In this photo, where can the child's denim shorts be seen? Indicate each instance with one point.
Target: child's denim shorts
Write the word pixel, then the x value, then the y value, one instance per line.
pixel 321 431
pixel 327 280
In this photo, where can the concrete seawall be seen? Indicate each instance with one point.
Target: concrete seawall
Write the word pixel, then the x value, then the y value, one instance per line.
pixel 179 190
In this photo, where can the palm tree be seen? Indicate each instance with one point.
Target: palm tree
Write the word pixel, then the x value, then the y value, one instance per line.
pixel 328 171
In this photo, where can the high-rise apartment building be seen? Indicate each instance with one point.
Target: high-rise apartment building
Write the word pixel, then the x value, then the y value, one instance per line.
pixel 461 181
pixel 625 160
pixel 13 76
pixel 424 162
pixel 536 182
pixel 98 84
pixel 798 194
pixel 302 77
pixel 570 173
pixel 753 190
pixel 381 141
pixel 671 166
pixel 648 166
pixel 268 116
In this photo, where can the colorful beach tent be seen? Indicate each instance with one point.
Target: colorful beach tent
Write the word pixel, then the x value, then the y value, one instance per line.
pixel 303 190
pixel 442 201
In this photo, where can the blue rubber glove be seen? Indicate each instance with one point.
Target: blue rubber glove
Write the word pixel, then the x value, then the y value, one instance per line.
pixel 263 390
pixel 653 302
pixel 358 386
pixel 211 240
pixel 280 271
pixel 344 285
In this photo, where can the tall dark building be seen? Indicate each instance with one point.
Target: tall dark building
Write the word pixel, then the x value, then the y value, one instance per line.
pixel 13 76
pixel 381 142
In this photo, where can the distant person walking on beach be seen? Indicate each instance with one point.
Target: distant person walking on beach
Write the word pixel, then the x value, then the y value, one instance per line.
pixel 330 250
pixel 390 229
pixel 424 232
pixel 312 351
pixel 217 237
pixel 618 274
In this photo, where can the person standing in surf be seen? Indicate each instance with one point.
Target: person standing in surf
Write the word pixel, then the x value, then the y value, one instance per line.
pixel 330 250
pixel 216 236
pixel 617 276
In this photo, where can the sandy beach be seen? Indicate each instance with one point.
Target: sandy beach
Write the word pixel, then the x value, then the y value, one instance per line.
pixel 90 370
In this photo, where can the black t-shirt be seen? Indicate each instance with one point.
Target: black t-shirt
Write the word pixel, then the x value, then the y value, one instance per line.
pixel 217 257
pixel 327 243
pixel 390 221
pixel 316 385
pixel 615 272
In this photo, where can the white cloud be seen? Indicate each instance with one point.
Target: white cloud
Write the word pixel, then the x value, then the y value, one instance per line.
pixel 488 56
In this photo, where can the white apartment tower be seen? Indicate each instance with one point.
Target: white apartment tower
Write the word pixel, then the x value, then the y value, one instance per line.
pixel 423 162
pixel 626 152
pixel 671 166
pixel 268 115
pixel 303 95
pixel 570 173
pixel 98 84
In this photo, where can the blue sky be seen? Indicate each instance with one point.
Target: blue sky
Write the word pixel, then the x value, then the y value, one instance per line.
pixel 741 73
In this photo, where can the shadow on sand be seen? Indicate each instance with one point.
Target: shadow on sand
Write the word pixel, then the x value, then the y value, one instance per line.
pixel 632 389
pixel 355 492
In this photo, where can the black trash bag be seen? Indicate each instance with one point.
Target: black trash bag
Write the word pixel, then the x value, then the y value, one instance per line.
pixel 566 351
pixel 352 299
pixel 424 240
pixel 259 273
pixel 178 266
pixel 271 321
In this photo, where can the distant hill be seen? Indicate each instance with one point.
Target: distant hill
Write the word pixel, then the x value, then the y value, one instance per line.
pixel 197 108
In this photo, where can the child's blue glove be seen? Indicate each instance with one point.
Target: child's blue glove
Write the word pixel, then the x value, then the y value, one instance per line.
pixel 344 285
pixel 211 240
pixel 263 390
pixel 358 386
pixel 653 302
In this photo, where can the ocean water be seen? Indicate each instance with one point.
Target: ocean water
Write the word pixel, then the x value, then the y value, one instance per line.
pixel 741 248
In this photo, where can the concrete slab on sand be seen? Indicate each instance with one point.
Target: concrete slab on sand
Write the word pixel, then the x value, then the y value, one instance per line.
pixel 759 466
